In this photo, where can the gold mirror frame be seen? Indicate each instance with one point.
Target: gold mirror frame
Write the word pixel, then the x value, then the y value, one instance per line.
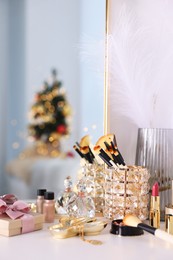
pixel 159 112
pixel 106 76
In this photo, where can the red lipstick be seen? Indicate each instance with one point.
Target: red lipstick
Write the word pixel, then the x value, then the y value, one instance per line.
pixel 155 190
pixel 154 216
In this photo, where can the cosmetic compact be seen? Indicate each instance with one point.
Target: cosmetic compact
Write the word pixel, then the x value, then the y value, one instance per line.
pixel 169 219
pixel 118 228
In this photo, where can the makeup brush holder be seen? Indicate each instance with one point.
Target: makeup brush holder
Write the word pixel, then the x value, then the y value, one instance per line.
pixel 94 177
pixel 126 192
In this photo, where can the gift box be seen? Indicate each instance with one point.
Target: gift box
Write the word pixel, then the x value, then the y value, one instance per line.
pixel 12 227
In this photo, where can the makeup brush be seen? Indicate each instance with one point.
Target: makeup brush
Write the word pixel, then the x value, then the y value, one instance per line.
pixel 103 155
pixel 121 158
pixel 91 153
pixel 78 151
pixel 117 153
pixel 87 155
pixel 133 221
pixel 78 145
pixel 115 157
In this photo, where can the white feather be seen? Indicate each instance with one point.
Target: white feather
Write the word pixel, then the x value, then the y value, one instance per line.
pixel 137 66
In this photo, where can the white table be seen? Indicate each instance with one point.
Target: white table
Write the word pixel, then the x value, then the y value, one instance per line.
pixel 41 245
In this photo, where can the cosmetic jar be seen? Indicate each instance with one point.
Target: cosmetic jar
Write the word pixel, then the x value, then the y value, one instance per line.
pixel 118 228
pixel 169 219
pixel 49 207
pixel 40 200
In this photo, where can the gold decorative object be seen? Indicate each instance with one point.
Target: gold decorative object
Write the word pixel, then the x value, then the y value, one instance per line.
pixel 70 227
pixel 126 192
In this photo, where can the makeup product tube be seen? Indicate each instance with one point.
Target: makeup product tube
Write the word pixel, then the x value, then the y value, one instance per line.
pixel 49 207
pixel 154 216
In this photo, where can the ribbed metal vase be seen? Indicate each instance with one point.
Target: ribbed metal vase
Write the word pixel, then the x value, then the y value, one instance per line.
pixel 155 152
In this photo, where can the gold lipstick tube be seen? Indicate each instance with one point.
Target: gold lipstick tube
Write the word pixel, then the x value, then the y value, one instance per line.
pixel 154 216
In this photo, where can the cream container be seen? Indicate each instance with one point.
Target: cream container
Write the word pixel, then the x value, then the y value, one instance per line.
pixel 169 219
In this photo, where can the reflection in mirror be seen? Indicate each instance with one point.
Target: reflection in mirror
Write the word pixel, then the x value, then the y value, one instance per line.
pixel 38 36
pixel 140 74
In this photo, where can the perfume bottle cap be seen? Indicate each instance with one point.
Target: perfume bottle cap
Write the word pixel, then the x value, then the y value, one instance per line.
pixel 169 210
pixel 49 195
pixel 81 186
pixel 68 183
pixel 41 192
pixel 169 219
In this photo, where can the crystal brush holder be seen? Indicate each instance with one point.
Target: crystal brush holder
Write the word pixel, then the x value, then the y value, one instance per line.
pixel 126 192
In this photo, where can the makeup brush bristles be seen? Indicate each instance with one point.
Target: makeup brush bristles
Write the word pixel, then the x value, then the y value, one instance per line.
pixel 105 148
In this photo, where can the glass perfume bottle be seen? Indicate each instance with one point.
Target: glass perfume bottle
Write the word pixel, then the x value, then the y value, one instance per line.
pixel 64 197
pixel 94 177
pixel 81 205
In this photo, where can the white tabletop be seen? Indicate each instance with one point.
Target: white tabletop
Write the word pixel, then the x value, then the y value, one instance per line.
pixel 41 245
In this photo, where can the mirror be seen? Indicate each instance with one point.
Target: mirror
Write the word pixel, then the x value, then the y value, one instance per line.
pixel 139 69
pixel 37 37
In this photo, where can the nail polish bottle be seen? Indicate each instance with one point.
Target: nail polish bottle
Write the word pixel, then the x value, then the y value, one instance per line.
pixel 49 207
pixel 40 200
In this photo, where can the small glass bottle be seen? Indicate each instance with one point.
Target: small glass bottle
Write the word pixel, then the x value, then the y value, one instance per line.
pixel 81 205
pixel 49 206
pixel 40 200
pixel 64 197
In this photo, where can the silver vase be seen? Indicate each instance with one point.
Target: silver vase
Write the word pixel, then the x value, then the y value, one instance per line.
pixel 155 152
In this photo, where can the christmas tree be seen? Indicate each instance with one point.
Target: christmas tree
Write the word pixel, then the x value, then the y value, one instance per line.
pixel 49 117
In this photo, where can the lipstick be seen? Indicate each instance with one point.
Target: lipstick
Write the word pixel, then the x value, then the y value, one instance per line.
pixel 154 217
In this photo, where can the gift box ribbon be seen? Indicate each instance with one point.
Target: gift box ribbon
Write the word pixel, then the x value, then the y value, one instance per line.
pixel 9 198
pixel 18 209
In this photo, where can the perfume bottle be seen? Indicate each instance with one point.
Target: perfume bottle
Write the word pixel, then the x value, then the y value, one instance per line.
pixel 81 205
pixel 64 197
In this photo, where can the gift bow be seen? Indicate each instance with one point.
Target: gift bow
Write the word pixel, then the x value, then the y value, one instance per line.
pixel 18 209
pixel 9 198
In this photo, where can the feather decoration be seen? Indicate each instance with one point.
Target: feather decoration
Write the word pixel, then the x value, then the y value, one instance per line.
pixel 137 66
pixel 139 52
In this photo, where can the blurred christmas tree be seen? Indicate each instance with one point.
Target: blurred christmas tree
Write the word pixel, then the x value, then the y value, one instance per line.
pixel 49 117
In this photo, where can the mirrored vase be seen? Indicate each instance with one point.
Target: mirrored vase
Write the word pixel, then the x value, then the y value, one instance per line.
pixel 155 151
